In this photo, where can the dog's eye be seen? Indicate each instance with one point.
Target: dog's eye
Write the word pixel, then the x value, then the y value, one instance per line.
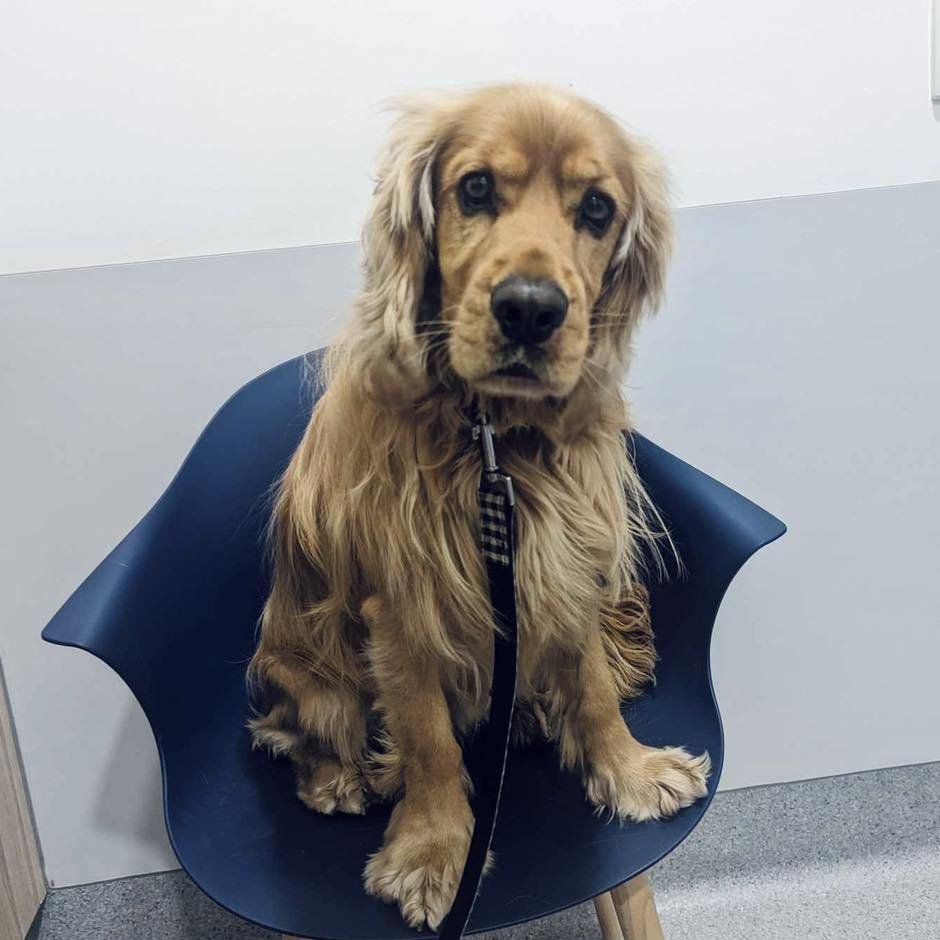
pixel 477 193
pixel 595 212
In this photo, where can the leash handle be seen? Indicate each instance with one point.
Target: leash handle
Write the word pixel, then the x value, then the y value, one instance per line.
pixel 496 502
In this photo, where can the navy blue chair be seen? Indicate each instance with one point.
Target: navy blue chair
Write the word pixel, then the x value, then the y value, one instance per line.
pixel 173 610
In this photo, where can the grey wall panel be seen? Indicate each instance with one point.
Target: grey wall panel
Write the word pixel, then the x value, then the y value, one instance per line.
pixel 106 377
pixel 795 359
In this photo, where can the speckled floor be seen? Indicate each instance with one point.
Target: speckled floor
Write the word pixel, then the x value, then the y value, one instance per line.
pixel 845 857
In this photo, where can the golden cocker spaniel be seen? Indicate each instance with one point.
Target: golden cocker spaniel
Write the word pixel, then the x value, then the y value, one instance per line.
pixel 516 235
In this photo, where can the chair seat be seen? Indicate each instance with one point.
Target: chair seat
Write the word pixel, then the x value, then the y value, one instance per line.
pixel 174 610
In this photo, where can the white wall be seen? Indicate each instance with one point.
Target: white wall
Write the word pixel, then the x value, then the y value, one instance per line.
pixel 141 131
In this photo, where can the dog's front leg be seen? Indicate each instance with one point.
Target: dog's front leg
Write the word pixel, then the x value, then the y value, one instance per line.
pixel 622 776
pixel 426 842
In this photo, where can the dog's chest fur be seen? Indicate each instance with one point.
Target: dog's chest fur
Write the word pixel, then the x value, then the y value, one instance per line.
pixel 571 534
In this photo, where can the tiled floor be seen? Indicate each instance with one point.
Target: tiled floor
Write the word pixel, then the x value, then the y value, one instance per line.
pixel 846 857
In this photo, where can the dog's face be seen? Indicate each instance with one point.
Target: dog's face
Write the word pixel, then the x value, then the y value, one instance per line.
pixel 530 210
pixel 545 227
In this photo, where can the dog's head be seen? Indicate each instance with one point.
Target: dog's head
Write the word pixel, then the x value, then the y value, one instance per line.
pixel 518 232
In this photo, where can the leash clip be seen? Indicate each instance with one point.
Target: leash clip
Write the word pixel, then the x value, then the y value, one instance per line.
pixel 483 432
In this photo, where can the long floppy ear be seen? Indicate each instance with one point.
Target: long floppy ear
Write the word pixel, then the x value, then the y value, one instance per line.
pixel 636 275
pixel 398 247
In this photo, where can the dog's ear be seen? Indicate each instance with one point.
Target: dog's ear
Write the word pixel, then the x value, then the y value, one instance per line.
pixel 637 271
pixel 398 248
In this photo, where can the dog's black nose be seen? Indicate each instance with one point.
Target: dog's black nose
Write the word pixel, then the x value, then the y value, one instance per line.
pixel 528 310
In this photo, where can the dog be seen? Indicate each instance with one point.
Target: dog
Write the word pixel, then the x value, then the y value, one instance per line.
pixel 516 236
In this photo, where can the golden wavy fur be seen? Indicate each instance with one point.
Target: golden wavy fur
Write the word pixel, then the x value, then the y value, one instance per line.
pixel 374 656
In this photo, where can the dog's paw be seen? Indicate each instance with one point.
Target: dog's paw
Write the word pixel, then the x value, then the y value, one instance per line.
pixel 419 868
pixel 643 783
pixel 331 787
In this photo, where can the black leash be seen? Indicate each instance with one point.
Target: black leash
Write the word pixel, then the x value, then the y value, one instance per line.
pixel 496 501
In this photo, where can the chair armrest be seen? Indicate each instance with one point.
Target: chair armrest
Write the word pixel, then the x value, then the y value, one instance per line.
pixel 714 528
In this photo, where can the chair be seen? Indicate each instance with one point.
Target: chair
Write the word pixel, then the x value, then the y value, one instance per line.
pixel 173 610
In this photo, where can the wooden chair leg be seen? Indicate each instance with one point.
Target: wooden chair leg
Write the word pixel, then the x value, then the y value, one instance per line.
pixel 635 910
pixel 607 917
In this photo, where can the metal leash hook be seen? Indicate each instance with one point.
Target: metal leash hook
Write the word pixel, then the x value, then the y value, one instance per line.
pixel 496 501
